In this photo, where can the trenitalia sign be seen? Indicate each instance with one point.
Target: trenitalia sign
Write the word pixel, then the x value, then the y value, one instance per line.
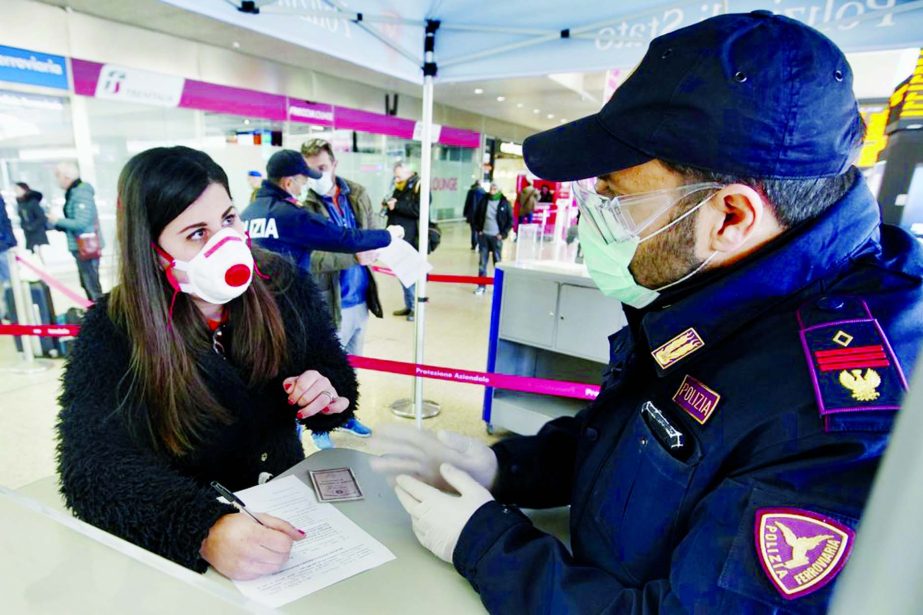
pixel 113 82
pixel 139 86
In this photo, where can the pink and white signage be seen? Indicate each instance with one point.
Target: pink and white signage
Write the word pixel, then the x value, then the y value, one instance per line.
pixel 310 113
pixel 119 83
pixel 138 86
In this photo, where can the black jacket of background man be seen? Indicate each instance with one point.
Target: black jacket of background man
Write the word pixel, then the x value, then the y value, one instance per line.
pixel 475 195
pixel 406 212
pixel 33 219
pixel 504 215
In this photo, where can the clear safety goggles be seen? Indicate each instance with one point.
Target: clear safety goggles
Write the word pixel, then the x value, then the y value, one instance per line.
pixel 622 218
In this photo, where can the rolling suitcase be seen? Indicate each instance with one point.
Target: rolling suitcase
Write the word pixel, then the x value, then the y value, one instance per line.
pixel 42 313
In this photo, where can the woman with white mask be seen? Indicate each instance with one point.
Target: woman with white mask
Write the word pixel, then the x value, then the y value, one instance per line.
pixel 195 369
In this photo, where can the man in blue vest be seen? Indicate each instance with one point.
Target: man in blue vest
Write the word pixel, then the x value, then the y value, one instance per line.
pixel 772 319
pixel 276 221
pixel 344 280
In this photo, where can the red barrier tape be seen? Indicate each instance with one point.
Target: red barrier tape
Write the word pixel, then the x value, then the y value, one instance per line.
pixel 558 388
pixel 41 330
pixel 52 282
pixel 449 279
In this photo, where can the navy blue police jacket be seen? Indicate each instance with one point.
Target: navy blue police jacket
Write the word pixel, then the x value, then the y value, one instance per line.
pixel 781 416
pixel 275 222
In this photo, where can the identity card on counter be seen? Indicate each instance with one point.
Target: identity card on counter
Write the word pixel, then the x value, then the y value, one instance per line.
pixel 334 549
pixel 336 485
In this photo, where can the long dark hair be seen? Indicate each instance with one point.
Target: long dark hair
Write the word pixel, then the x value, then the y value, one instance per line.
pixel 26 189
pixel 154 188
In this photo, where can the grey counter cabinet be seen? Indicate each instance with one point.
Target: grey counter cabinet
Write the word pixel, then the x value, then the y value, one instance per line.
pixel 548 320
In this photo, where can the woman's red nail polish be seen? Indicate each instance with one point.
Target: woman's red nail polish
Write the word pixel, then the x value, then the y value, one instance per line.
pixel 301 532
pixel 291 402
pixel 287 387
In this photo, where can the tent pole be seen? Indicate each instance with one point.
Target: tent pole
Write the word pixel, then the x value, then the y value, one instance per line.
pixel 425 176
pixel 426 164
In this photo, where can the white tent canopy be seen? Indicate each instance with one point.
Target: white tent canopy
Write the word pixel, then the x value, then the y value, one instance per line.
pixel 515 38
pixel 471 40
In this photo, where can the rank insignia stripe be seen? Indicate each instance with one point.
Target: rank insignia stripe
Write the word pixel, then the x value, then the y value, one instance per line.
pixel 799 550
pixel 696 399
pixel 864 376
pixel 678 348
pixel 858 357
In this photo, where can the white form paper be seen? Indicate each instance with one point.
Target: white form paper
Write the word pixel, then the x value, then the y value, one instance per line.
pixel 335 547
pixel 406 263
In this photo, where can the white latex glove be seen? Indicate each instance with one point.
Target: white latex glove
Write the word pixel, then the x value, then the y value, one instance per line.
pixel 419 453
pixel 397 232
pixel 439 518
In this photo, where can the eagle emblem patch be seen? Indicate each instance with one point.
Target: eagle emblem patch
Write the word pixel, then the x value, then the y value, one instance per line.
pixel 800 551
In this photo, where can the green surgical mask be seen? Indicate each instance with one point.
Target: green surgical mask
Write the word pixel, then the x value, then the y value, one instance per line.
pixel 608 262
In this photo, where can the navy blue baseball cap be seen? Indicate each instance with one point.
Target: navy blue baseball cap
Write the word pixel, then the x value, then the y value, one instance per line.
pixel 287 163
pixel 753 95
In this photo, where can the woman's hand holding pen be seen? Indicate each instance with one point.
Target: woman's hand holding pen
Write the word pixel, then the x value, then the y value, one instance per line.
pixel 241 549
pixel 313 393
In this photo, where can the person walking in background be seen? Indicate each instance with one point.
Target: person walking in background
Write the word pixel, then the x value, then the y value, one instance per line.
pixel 526 201
pixel 475 195
pixel 32 218
pixel 80 218
pixel 255 179
pixel 493 220
pixel 7 242
pixel 403 209
pixel 545 194
pixel 344 280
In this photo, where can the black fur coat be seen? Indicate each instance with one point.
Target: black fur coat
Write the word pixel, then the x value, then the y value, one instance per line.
pixel 115 479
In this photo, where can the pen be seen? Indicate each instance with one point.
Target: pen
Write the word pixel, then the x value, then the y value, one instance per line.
pixel 233 499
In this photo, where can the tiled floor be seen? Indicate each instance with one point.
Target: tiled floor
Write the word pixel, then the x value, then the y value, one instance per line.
pixel 456 336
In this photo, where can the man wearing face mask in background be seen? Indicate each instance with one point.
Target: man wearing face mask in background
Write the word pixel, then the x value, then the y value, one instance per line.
pixel 345 280
pixel 276 222
pixel 771 319
pixel 403 209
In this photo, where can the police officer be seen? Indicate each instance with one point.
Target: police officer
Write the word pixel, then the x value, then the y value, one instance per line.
pixel 276 222
pixel 771 319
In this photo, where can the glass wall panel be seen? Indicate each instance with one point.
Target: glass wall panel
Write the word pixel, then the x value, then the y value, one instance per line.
pixel 35 135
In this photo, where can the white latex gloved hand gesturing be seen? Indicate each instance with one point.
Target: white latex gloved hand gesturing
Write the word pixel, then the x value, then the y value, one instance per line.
pixel 439 518
pixel 420 453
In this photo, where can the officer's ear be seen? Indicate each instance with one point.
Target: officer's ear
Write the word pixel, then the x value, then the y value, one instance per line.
pixel 735 221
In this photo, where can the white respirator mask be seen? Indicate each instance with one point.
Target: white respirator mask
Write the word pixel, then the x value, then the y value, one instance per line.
pixel 221 271
pixel 323 185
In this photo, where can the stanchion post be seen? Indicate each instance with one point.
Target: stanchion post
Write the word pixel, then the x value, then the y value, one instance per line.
pixel 23 305
pixel 417 407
